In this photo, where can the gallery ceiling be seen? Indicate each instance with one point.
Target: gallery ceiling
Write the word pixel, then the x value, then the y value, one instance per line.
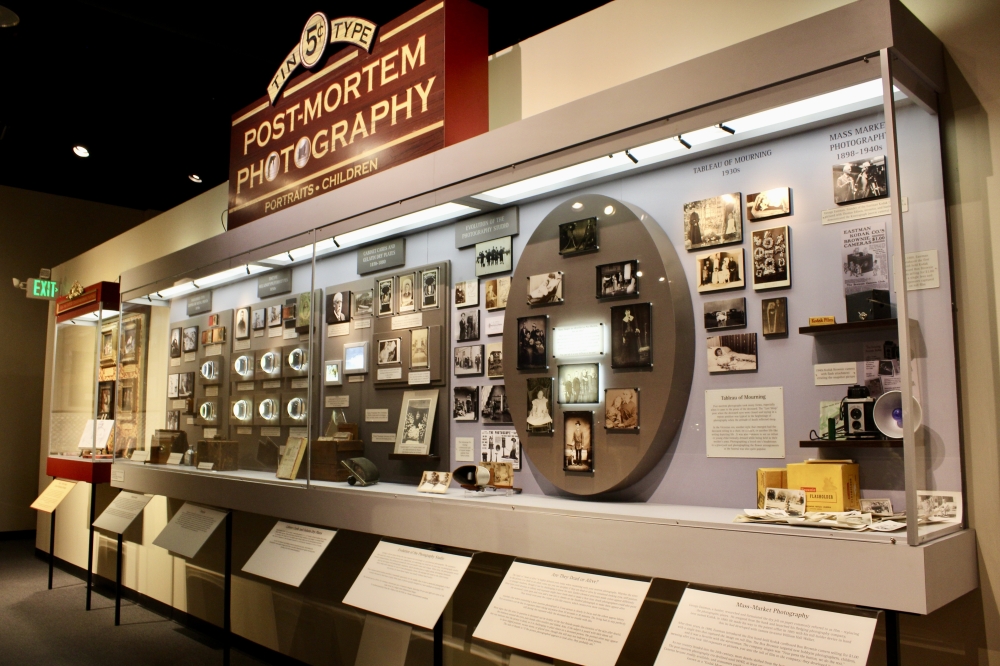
pixel 150 88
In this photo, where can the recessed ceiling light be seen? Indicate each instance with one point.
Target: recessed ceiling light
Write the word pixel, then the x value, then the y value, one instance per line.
pixel 195 178
pixel 577 206
pixel 609 210
pixel 662 279
pixel 81 151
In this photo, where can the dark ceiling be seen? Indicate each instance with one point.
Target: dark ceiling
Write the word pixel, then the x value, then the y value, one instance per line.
pixel 150 87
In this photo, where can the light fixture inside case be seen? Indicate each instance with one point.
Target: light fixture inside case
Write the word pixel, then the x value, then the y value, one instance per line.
pixel 268 409
pixel 207 411
pixel 269 363
pixel 241 410
pixel 243 365
pixel 296 409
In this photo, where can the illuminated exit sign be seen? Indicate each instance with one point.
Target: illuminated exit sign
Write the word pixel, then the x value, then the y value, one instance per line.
pixel 44 289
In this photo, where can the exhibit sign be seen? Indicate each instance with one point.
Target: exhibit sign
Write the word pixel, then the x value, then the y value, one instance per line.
pixel 199 303
pixel 393 93
pixel 53 495
pixel 122 511
pixel 381 256
pixel 486 227
pixel 289 552
pixel 274 283
pixel 189 529
pixel 745 423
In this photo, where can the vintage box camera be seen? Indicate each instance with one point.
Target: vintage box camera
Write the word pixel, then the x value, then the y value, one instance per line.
pixel 867 305
pixel 856 412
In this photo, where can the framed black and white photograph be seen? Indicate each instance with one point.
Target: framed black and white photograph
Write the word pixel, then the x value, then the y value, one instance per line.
pixel 363 303
pixel 467 326
pixel 405 292
pixel 861 180
pixel 173 386
pixel 771 255
pixel 732 353
pixel 385 297
pixel 185 385
pixel 877 507
pixel 466 405
pixel 769 204
pixel 494 360
pixel 713 221
pixel 722 315
pixel 493 406
pixel 578 383
pixel 631 336
pixel 540 406
pixel 355 358
pixel 494 256
pixel 273 316
pixel 532 342
pixel 259 318
pixel 621 409
pixel 467 293
pixel 173 420
pixel 126 395
pixel 388 351
pixel 106 400
pixel 108 343
pixel 419 357
pixel 618 280
pixel 545 288
pixel 434 482
pixel 774 317
pixel 416 422
pixel 499 448
pixel 333 374
pixel 578 237
pixel 497 291
pixel 242 325
pixel 130 340
pixel 578 441
pixel 468 360
pixel 718 271
pixel 429 289
pixel 109 346
pixel 338 307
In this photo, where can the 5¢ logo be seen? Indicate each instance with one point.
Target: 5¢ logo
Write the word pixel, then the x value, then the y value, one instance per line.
pixel 314 39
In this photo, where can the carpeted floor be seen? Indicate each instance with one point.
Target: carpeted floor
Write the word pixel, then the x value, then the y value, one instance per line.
pixel 51 627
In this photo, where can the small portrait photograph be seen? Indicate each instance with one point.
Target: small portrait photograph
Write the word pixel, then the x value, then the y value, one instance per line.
pixel 273 316
pixel 718 271
pixel 418 348
pixel 173 420
pixel 272 165
pixel 466 407
pixel 288 313
pixel 242 324
pixel 578 237
pixel 338 307
pixel 494 256
pixel 107 343
pixel 303 312
pixel 714 221
pixel 501 472
pixel 497 291
pixel 303 149
pixel 406 296
pixel 417 423
pixel 578 449
pixel 877 507
pixel 109 337
pixel 219 334
pixel 545 288
pixel 130 341
pixel 494 360
pixel 774 317
pixel 213 320
pixel 363 302
pixel 332 375
pixel 498 449
pixel 106 400
pixel 385 297
pixel 792 502
pixel 469 360
pixel 467 326
pixel 860 180
pixel 388 351
pixel 185 384
pixel 434 482
pixel 769 204
pixel 173 386
pixel 621 409
pixel 532 342
pixel 259 319
pixel 732 353
pixel 730 313
pixel 467 293
pixel 206 336
pixel 127 398
pixel 493 406
pixel 772 268
pixel 540 406
pixel 429 289
pixel 618 280
pixel 939 506
pixel 631 336
pixel 578 383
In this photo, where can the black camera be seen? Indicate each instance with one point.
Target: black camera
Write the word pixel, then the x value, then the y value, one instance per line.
pixel 856 412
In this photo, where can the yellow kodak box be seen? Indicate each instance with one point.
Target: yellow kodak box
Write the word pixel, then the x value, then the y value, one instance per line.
pixel 828 486
pixel 822 321
pixel 769 477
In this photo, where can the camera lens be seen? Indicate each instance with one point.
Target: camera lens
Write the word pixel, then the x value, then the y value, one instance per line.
pixel 855 413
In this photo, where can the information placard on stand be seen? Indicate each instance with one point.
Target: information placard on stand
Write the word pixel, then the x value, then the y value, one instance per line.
pixel 53 496
pixel 289 552
pixel 189 529
pixel 122 511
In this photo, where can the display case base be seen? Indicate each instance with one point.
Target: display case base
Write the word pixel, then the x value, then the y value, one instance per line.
pixel 78 469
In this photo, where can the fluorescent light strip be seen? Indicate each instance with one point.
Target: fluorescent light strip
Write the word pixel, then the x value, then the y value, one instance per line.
pixel 214 280
pixel 408 222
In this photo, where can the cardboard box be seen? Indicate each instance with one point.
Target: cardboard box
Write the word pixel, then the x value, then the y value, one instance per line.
pixel 769 477
pixel 828 486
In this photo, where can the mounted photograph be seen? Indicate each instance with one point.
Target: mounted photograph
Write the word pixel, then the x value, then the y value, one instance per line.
pixel 468 360
pixel 418 348
pixel 363 302
pixel 860 180
pixel 493 406
pixel 429 289
pixel 259 319
pixel 772 259
pixel 578 441
pixel 407 302
pixel 621 409
pixel 718 271
pixel 618 280
pixel 578 383
pixel 631 336
pixel 467 293
pixel 189 342
pixel 498 449
pixel 466 405
pixel 732 353
pixel 388 351
pixel 497 291
pixel 730 313
pixel 713 221
pixel 769 204
pixel 494 360
pixel 545 288
pixel 578 237
pixel 494 256
pixel 774 317
pixel 540 406
pixel 532 342
pixel 338 307
pixel 108 344
pixel 242 325
pixel 273 316
pixel 385 297
pixel 467 326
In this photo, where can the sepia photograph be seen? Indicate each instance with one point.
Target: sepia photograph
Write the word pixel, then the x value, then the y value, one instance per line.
pixel 388 351
pixel 418 348
pixel 130 341
pixel 242 325
pixel 467 293
pixel 769 204
pixel 540 406
pixel 493 406
pixel 363 302
pixel 259 319
pixel 338 307
pixel 545 288
pixel 109 336
pixel 718 271
pixel 714 221
pixel 500 446
pixel 416 423
pixel 497 291
pixel 771 258
pixel 578 237
pixel 578 383
pixel 877 507
pixel 466 407
pixel 494 256
pixel 273 316
pixel 861 180
pixel 618 280
pixel 467 326
pixel 218 334
pixel 532 342
pixel 501 473
pixel 494 360
pixel 621 409
pixel 434 482
pixel 774 316
pixel 173 420
pixel 107 343
pixel 173 384
pixel 578 440
pixel 732 353
pixel 939 506
pixel 792 502
pixel 213 320
pixel 385 297
pixel 126 397
pixel 185 384
pixel 730 313
pixel 631 336
pixel 429 289
pixel 106 400
pixel 468 360
pixel 406 295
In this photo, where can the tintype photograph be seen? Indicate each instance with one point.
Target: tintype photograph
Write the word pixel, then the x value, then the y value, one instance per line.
pixel 631 336
pixel 259 319
pixel 497 291
pixel 107 343
pixel 130 340
pixel 406 297
pixel 429 289
pixel 467 293
pixel 213 320
pixel 469 360
pixel 532 342
pixel 388 351
pixel 771 259
pixel 493 406
pixel 173 420
pixel 434 482
pixel 467 326
pixel 620 279
pixel 769 204
pixel 540 406
pixel 774 316
pixel 185 384
pixel 494 360
pixel 578 237
pixel 578 441
pixel 206 337
pixel 106 400
pixel 363 302
pixel 385 297
pixel 173 384
pixel 416 422
pixel 418 348
pixel 338 307
pixel 732 353
pixel 219 334
pixel 621 409
pixel 499 448
pixel 860 180
pixel 718 271
pixel 877 507
pixel 545 288
pixel 494 256
pixel 578 383
pixel 730 313
pixel 466 407
pixel 273 316
pixel 242 325
pixel 714 221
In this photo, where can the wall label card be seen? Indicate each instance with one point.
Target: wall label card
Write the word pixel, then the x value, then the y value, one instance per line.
pixel 209 433
pixel 288 333
pixel 419 377
pixel 723 629
pixel 381 256
pixel 389 373
pixel 244 386
pixel 244 430
pixel 190 357
pixel 860 211
pixel 117 475
pixel 274 332
pixel 383 438
pixel 274 283
pixel 175 458
pixel 376 416
pixel 833 374
pixel 338 401
pixel 465 449
pixel 103 427
pixel 189 421
pixel 922 270
pixel 362 323
pixel 355 379
pixel 122 511
pixel 241 345
pixel 337 330
pixel 189 529
pixel 211 391
pixel 414 320
pixel 745 423
pixel 276 383
pixel 178 404
pixel 175 363
pixel 289 552
pixel 300 383
pixel 583 618
pixel 199 303
pixel 213 350
pixel 408 584
pixel 52 496
pixel 270 431
pixel 206 466
pixel 140 456
pixel 491 226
